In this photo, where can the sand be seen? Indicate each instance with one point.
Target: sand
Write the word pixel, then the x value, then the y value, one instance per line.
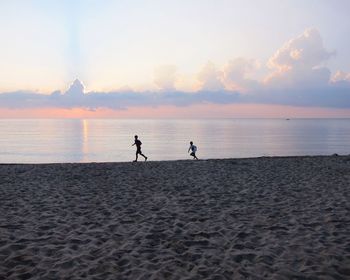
pixel 263 218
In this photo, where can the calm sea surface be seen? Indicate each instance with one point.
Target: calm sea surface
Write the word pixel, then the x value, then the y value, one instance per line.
pixel 44 141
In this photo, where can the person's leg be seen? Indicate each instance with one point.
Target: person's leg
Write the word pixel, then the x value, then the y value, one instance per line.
pixel 144 156
pixel 136 156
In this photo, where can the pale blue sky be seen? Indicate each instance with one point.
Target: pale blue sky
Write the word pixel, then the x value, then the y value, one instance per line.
pixel 110 44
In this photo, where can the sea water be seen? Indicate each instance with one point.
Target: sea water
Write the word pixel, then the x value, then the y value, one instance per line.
pixel 109 140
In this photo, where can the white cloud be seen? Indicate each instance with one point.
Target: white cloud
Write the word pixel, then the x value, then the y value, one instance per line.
pixel 299 63
pixel 236 74
pixel 165 77
pixel 210 78
pixel 340 76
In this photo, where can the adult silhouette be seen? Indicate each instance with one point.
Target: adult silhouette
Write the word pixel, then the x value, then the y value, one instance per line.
pixel 138 144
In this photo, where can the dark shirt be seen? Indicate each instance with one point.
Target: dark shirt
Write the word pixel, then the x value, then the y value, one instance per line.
pixel 138 144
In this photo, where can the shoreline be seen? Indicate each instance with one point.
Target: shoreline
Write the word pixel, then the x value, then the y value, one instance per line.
pixel 179 160
pixel 255 218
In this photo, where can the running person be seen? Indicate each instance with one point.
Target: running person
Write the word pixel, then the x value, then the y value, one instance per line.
pixel 138 144
pixel 193 150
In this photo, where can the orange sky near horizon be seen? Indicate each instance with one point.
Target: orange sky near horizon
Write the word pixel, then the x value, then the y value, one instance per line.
pixel 194 111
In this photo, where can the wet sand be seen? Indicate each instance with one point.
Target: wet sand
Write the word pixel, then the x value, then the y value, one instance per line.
pixel 261 218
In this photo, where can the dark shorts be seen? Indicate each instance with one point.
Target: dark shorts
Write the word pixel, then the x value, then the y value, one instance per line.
pixel 193 154
pixel 138 151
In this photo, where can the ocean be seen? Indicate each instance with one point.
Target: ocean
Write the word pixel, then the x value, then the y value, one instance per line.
pixel 110 140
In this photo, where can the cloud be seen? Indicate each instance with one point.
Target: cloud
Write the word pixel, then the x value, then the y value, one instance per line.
pixel 76 97
pixel 210 79
pixel 165 77
pixel 76 89
pixel 298 77
pixel 327 97
pixel 332 96
pixel 341 81
pixel 299 63
pixel 341 77
pixel 235 74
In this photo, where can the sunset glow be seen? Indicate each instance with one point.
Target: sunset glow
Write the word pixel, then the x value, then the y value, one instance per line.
pixel 174 58
pixel 196 111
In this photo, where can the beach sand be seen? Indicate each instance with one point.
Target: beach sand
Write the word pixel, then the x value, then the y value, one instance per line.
pixel 261 218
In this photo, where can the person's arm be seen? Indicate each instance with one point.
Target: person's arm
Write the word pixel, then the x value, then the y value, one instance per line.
pixel 133 144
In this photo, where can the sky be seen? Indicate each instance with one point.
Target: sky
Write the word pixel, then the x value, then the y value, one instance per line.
pixel 183 58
